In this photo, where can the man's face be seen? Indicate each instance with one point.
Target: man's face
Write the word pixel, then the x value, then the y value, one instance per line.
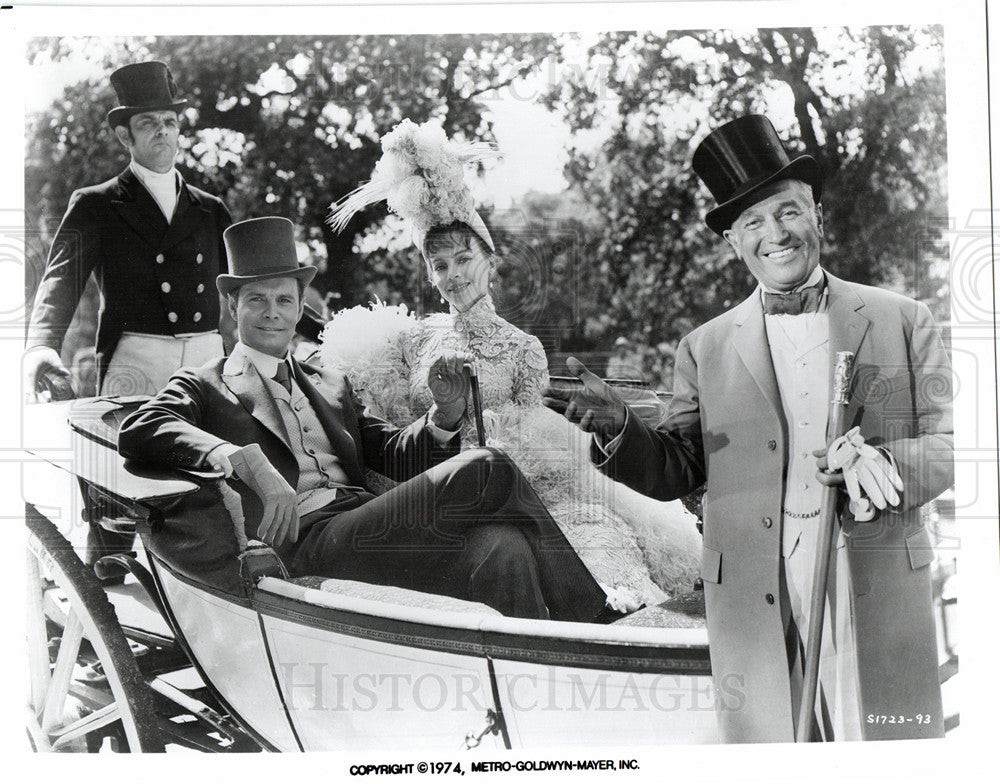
pixel 151 139
pixel 266 312
pixel 778 238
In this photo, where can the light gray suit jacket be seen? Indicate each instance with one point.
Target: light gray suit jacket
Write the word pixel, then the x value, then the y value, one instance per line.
pixel 726 425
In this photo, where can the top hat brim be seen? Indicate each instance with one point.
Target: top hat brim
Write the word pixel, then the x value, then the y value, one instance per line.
pixel 120 114
pixel 227 283
pixel 804 168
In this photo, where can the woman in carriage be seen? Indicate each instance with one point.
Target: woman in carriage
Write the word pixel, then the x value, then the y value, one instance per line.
pixel 641 551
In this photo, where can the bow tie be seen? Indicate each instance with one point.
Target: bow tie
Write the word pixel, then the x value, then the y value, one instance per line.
pixel 282 376
pixel 793 303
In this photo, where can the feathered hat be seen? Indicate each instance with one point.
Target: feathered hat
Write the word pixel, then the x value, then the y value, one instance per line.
pixel 421 178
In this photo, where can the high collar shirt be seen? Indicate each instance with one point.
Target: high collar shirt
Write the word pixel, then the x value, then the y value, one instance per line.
pixel 266 364
pixel 162 186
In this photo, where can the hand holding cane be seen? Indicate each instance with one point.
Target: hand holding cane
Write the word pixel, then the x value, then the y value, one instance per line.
pixel 825 542
pixel 477 401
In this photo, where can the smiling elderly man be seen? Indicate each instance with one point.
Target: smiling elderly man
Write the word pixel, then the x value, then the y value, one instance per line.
pixel 749 416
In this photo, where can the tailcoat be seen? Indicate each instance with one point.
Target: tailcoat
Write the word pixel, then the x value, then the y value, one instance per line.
pixel 154 277
pixel 725 426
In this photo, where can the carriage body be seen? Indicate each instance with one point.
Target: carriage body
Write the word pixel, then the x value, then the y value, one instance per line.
pixel 310 664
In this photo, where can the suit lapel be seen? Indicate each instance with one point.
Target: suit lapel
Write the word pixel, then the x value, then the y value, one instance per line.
pixel 188 216
pixel 848 327
pixel 750 342
pixel 331 417
pixel 136 207
pixel 239 374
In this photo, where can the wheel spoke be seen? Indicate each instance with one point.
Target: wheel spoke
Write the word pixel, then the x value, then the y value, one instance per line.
pixel 62 674
pixel 38 647
pixel 89 723
pixel 39 739
pixel 94 681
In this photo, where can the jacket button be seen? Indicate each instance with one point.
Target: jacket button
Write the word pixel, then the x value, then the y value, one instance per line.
pixel 172 317
pixel 159 258
pixel 201 288
pixel 769 598
pixel 766 522
pixel 199 258
pixel 772 445
pixel 196 317
pixel 165 287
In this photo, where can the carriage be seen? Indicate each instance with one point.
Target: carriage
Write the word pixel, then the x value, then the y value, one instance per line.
pixel 161 659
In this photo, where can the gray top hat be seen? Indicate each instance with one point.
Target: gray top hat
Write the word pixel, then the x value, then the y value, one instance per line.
pixel 261 248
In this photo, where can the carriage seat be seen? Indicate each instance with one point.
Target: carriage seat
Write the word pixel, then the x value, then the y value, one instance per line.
pixel 392 595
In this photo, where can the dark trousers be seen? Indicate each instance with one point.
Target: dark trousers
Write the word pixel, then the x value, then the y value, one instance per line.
pixel 471 527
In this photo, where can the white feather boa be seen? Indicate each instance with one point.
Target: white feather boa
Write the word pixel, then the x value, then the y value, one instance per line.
pixel 366 343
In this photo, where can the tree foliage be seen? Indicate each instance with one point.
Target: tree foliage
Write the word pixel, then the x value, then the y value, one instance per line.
pixel 277 125
pixel 867 103
pixel 285 125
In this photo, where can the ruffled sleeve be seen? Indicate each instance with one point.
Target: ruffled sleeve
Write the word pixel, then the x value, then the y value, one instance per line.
pixel 532 375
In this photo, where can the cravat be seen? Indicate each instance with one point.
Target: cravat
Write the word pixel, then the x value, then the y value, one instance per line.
pixel 793 303
pixel 282 377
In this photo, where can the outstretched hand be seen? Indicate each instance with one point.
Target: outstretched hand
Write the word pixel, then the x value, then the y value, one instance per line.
pixel 594 407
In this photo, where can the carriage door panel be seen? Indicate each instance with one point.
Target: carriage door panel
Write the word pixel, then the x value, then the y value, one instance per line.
pixel 225 638
pixel 353 692
pixel 554 705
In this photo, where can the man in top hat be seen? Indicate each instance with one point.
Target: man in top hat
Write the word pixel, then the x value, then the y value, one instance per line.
pixel 294 439
pixel 748 415
pixel 154 245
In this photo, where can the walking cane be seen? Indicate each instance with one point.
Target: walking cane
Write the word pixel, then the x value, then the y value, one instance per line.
pixel 827 538
pixel 477 402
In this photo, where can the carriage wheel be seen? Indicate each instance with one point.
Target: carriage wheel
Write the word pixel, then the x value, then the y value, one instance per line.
pixel 85 685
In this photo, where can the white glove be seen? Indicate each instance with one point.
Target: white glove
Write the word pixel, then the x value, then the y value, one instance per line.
pixel 45 376
pixel 870 475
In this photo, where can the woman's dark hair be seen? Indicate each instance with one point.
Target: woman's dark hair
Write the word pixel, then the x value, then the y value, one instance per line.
pixel 440 231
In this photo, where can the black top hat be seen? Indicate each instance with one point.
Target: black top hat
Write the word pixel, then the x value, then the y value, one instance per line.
pixel 258 249
pixel 143 87
pixel 739 158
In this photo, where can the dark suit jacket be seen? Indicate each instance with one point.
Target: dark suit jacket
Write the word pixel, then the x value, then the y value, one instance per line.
pixel 726 424
pixel 226 401
pixel 146 269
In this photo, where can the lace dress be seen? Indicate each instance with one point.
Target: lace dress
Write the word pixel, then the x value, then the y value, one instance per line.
pixel 630 543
